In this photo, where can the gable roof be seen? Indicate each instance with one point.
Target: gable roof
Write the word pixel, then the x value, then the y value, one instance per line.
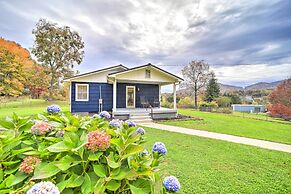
pixel 97 71
pixel 147 65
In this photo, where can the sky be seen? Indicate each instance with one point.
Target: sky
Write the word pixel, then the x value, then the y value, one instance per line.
pixel 243 41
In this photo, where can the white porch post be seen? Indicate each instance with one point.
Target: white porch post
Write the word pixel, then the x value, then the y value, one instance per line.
pixel 174 93
pixel 160 95
pixel 114 96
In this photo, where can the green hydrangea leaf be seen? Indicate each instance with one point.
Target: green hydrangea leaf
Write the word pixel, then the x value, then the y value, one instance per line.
pixel 99 170
pixel 113 185
pixel 86 186
pixel 74 181
pixel 58 147
pixel 94 156
pixel 45 170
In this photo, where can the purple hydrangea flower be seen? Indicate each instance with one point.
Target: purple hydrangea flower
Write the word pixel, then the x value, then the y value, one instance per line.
pixel 140 131
pixel 53 108
pixel 130 123
pixel 172 184
pixel 104 114
pixel 114 123
pixel 96 116
pixel 160 148
pixel 44 187
pixel 144 152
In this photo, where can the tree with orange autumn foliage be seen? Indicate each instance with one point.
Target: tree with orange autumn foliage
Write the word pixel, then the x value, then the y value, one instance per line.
pixel 19 71
pixel 280 100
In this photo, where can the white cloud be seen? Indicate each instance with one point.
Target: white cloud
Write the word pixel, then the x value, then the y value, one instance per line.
pixel 249 74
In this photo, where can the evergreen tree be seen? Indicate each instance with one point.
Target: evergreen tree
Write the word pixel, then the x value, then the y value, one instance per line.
pixel 212 89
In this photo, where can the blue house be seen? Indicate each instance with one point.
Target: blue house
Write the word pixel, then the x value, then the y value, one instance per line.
pixel 125 92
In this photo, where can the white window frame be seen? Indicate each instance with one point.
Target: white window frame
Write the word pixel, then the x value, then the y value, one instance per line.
pixel 76 93
pixel 127 87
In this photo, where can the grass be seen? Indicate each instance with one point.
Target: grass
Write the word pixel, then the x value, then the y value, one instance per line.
pixel 234 125
pixel 211 166
pixel 29 107
pixel 260 116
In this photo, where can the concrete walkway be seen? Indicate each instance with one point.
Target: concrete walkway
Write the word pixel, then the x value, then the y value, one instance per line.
pixel 231 138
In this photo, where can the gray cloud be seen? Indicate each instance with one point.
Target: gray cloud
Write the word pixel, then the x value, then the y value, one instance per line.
pixel 223 33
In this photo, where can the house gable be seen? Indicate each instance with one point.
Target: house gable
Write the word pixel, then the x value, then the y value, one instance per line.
pixel 146 73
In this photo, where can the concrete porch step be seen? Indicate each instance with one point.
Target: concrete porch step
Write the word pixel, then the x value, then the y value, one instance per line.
pixel 142 120
pixel 140 116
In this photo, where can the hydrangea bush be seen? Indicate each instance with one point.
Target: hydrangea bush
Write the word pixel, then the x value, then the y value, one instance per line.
pixel 58 152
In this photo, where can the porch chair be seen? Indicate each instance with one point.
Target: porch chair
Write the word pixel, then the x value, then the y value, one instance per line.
pixel 144 103
pixel 156 102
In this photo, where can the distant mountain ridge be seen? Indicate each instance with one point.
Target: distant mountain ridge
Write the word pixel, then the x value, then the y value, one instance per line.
pixel 263 85
pixel 256 86
pixel 230 88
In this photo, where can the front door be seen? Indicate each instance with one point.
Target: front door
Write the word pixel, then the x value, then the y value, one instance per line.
pixel 130 96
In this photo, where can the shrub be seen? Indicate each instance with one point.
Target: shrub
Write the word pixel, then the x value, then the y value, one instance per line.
pixel 186 102
pixel 223 101
pixel 224 110
pixel 280 110
pixel 165 103
pixel 208 104
pixel 74 154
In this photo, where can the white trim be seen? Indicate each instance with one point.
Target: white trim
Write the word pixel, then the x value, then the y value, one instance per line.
pixel 114 95
pixel 94 72
pixel 127 95
pixel 70 97
pixel 160 94
pixel 174 94
pixel 146 66
pixel 76 92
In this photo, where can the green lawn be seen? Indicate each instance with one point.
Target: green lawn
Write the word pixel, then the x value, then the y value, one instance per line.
pixel 29 107
pixel 211 166
pixel 260 116
pixel 234 125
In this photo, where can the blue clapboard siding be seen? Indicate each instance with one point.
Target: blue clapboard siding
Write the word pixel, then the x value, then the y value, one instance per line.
pixel 150 91
pixel 94 94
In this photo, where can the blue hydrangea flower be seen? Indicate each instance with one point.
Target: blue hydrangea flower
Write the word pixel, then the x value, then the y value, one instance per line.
pixel 104 114
pixel 172 184
pixel 140 131
pixel 44 188
pixel 144 152
pixel 130 123
pixel 53 108
pixel 160 148
pixel 96 116
pixel 114 123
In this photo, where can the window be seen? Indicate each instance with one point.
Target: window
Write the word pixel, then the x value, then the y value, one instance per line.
pixel 148 73
pixel 82 92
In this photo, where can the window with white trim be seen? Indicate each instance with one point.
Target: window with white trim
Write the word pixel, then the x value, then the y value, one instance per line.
pixel 147 73
pixel 82 92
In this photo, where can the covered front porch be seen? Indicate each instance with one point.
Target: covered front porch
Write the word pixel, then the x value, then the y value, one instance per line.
pixel 153 113
pixel 138 91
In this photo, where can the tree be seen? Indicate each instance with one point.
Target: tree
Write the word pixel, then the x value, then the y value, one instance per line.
pixel 280 100
pixel 196 75
pixel 11 74
pixel 234 96
pixel 38 81
pixel 19 71
pixel 58 49
pixel 223 101
pixel 212 89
